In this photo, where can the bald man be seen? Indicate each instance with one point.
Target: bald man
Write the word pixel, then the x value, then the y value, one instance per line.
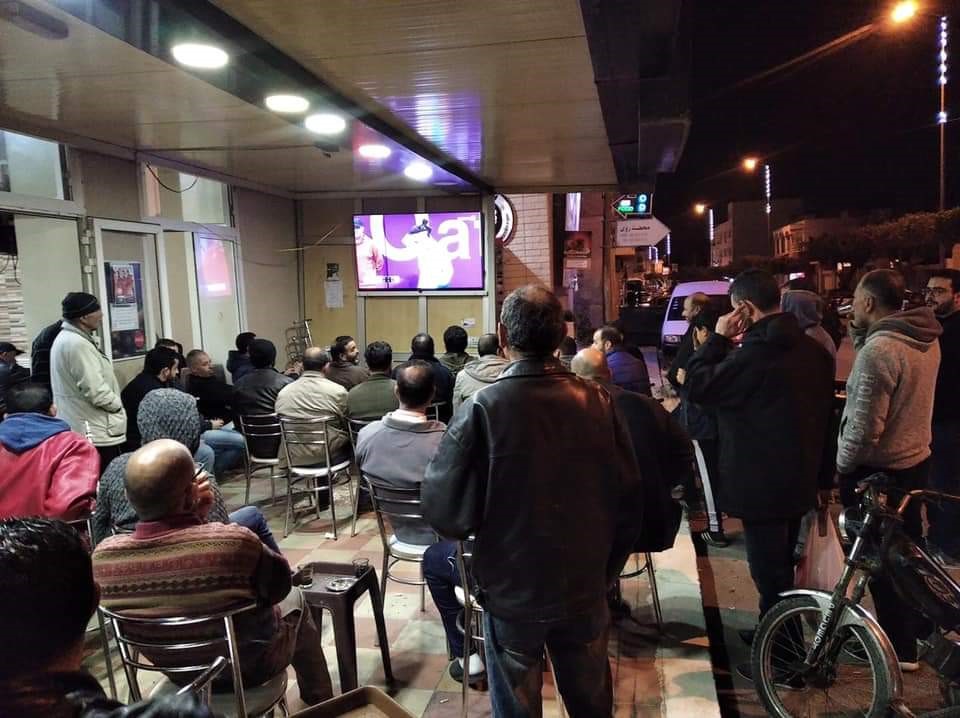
pixel 692 306
pixel 663 448
pixel 214 566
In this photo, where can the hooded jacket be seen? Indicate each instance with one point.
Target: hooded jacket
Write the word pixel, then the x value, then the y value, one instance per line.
pixel 163 414
pixel 45 469
pixel 238 364
pixel 85 389
pixel 477 375
pixel 807 307
pixel 455 361
pixel 887 417
pixel 772 398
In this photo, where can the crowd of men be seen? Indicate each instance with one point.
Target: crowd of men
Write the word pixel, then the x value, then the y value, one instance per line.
pixel 553 464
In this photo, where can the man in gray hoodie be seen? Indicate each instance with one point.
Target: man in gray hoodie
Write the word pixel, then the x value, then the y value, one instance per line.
pixel 886 421
pixel 480 373
pixel 807 307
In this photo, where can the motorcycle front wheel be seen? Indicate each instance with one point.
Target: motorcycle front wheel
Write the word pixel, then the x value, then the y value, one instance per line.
pixel 852 681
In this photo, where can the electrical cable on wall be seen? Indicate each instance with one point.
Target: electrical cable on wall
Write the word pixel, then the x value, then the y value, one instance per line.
pixel 166 187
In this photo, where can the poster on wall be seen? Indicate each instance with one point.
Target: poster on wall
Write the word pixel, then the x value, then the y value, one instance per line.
pixel 128 331
pixel 577 244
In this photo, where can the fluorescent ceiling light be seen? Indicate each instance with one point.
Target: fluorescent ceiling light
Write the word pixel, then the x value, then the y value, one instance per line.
pixel 325 123
pixel 202 57
pixel 419 171
pixel 287 103
pixel 374 151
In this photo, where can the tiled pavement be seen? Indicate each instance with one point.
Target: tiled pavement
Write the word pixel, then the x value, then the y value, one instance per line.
pixel 654 675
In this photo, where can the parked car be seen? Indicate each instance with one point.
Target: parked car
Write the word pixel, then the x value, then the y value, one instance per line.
pixel 674 325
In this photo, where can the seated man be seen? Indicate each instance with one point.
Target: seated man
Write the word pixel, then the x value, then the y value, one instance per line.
pixel 173 538
pixel 567 350
pixel 422 348
pixel 160 369
pixel 627 371
pixel 377 395
pixel 398 448
pixel 213 401
pixel 311 396
pixel 165 414
pixel 344 369
pixel 480 373
pixel 256 392
pixel 238 362
pixel 48 598
pixel 11 373
pixel 455 356
pixel 45 469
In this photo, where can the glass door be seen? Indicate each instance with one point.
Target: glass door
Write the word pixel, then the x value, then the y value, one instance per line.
pixel 218 297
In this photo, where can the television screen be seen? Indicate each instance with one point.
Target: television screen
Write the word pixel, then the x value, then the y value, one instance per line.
pixel 436 250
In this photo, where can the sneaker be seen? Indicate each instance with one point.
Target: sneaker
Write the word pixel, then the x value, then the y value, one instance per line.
pixel 717 539
pixel 477 680
pixel 747 635
pixel 793 682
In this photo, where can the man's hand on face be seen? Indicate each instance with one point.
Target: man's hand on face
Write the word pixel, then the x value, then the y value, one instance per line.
pixel 734 323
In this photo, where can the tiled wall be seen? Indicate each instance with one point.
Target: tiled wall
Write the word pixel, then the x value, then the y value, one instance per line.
pixel 13 326
pixel 526 259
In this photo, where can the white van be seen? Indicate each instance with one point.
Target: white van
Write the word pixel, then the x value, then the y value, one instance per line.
pixel 674 325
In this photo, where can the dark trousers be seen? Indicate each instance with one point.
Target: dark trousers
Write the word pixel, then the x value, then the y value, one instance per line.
pixel 902 624
pixel 108 454
pixel 441 574
pixel 578 651
pixel 770 546
pixel 945 477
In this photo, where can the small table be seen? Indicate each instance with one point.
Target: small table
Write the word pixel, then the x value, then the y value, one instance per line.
pixel 340 604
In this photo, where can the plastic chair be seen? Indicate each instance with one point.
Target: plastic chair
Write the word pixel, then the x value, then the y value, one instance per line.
pixel 354 426
pixel 648 568
pixel 393 503
pixel 313 435
pixel 261 433
pixel 167 643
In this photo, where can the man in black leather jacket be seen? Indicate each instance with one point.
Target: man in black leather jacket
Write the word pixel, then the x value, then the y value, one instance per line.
pixel 256 392
pixel 540 467
pixel 47 600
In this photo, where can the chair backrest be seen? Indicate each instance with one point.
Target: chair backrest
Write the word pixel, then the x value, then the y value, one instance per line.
pixel 311 434
pixel 201 685
pixel 171 644
pixel 392 502
pixel 262 434
pixel 436 410
pixel 354 426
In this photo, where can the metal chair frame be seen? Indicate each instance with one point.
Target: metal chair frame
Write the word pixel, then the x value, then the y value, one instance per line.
pixel 259 426
pixel 130 648
pixel 648 568
pixel 312 433
pixel 388 501
pixel 465 622
pixel 354 426
pixel 433 411
pixel 201 686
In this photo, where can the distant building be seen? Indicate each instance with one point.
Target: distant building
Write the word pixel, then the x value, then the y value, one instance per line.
pixel 790 240
pixel 745 234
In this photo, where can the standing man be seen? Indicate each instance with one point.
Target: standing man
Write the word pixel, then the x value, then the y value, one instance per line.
pixel 11 373
pixel 628 371
pixel 344 368
pixel 886 421
pixel 772 398
pixel 562 500
pixel 692 306
pixel 943 296
pixel 85 389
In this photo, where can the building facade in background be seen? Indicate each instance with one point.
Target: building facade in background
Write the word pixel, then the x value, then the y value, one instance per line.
pixel 745 232
pixel 791 239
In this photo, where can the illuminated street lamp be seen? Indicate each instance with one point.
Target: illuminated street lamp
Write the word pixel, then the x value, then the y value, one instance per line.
pixel 750 163
pixel 903 12
pixel 699 208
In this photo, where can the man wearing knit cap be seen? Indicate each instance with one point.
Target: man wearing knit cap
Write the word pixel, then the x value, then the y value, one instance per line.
pixel 85 388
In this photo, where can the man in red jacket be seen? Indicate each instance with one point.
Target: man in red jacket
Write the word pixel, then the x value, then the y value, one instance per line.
pixel 45 469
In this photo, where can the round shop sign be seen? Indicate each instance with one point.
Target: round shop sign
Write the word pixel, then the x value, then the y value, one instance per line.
pixel 503 218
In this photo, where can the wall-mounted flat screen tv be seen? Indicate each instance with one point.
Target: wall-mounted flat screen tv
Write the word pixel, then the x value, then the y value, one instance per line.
pixel 422 251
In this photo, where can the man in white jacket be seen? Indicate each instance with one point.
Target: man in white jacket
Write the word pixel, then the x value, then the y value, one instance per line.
pixel 85 389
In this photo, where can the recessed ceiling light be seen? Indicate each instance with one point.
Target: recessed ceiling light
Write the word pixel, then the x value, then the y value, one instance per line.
pixel 202 57
pixel 419 171
pixel 325 123
pixel 374 152
pixel 287 103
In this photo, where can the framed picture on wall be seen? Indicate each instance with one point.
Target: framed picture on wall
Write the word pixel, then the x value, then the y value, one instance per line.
pixel 128 331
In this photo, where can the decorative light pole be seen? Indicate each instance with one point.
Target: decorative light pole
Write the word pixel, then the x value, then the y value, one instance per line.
pixel 942 114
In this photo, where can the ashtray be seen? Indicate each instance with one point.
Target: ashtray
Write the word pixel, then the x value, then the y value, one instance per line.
pixel 339 585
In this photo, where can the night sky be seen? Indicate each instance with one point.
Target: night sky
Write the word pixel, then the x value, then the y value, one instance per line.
pixel 855 130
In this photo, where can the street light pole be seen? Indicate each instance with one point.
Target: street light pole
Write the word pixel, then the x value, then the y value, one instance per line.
pixel 769 205
pixel 942 115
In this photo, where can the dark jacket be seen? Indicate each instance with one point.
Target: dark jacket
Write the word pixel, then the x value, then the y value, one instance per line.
pixel 665 456
pixel 946 404
pixel 214 397
pixel 773 398
pixel 78 695
pixel 10 375
pixel 540 467
pixel 40 353
pixel 131 396
pixel 238 365
pixel 256 392
pixel 346 374
pixel 628 371
pixel 684 352
pixel 444 380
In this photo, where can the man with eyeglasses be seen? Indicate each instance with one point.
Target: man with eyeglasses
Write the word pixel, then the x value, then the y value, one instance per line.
pixel 943 296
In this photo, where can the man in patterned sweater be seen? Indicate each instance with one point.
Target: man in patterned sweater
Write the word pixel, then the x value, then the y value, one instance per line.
pixel 176 564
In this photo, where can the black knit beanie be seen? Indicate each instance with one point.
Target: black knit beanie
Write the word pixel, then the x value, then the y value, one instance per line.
pixel 79 304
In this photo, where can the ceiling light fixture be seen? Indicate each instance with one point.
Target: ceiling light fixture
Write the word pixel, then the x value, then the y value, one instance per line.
pixel 374 151
pixel 419 171
pixel 325 124
pixel 287 103
pixel 200 56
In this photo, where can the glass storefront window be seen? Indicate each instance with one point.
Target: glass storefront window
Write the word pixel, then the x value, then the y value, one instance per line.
pixel 186 198
pixel 30 166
